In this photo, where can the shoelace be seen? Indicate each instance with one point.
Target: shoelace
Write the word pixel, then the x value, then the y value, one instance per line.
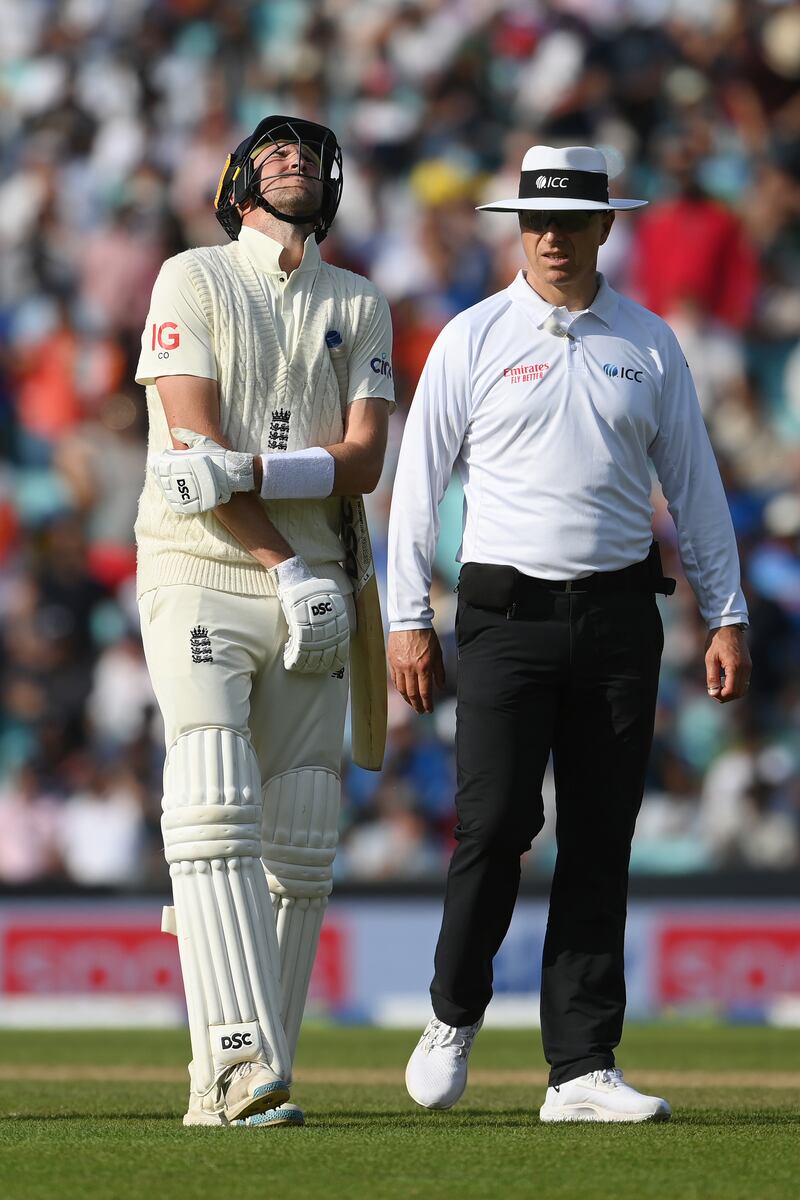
pixel 459 1037
pixel 226 1077
pixel 611 1076
pixel 238 1071
pixel 243 1069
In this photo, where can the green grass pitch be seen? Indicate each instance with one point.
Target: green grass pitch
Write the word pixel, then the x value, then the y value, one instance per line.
pixel 97 1116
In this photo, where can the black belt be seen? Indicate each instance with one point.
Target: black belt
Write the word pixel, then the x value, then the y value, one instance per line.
pixel 505 589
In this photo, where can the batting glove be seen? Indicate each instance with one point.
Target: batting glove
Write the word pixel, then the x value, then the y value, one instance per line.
pixel 315 612
pixel 205 475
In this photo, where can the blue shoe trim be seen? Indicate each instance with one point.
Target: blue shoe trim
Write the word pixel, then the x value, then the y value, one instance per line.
pixel 264 1089
pixel 277 1116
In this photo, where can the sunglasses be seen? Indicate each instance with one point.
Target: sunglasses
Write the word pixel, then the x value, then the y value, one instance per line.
pixel 572 221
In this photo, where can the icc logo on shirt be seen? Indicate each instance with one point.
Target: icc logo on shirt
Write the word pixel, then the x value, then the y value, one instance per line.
pixel 615 372
pixel 167 336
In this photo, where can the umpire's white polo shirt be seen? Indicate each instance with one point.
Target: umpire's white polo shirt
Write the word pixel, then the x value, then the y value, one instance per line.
pixel 551 437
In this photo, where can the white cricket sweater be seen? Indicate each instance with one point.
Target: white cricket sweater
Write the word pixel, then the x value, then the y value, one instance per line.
pixel 268 402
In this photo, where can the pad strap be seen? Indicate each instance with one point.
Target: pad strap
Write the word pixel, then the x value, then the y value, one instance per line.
pixel 203 832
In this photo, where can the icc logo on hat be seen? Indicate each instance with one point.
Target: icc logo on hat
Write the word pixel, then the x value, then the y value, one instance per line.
pixel 559 179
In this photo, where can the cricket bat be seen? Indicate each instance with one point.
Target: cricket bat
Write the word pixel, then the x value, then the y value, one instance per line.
pixel 368 689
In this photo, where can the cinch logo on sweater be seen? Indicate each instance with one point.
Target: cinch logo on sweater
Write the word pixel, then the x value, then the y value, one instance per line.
pixel 526 373
pixel 381 366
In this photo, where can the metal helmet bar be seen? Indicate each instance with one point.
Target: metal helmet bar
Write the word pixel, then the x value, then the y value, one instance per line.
pixel 241 180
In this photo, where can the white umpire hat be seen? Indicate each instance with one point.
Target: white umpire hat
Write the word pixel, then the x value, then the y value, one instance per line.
pixel 559 180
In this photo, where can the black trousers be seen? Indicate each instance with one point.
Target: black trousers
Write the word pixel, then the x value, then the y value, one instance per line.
pixel 578 675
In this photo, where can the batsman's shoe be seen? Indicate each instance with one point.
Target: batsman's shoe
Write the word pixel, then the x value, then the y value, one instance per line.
pixel 252 1088
pixel 282 1117
pixel 436 1074
pixel 601 1096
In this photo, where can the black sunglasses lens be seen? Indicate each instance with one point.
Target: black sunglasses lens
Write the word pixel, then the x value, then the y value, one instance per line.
pixel 569 222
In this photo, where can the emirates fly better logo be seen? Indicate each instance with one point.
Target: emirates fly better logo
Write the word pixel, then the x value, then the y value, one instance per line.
pixel 526 373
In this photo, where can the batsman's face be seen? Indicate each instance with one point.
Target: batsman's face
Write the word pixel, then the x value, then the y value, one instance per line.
pixel 289 175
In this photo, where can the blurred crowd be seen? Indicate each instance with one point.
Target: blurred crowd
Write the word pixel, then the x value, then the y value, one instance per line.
pixel 116 117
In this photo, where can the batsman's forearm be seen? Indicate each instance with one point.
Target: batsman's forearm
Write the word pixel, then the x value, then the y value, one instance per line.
pixel 357 468
pixel 351 467
pixel 245 519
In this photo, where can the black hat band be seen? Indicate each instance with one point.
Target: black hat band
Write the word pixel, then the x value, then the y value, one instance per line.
pixel 570 185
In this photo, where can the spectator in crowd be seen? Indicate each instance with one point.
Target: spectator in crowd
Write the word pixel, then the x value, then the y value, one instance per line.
pixel 29 847
pixel 102 825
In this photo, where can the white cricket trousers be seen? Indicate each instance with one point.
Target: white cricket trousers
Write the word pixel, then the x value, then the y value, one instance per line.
pixel 216 659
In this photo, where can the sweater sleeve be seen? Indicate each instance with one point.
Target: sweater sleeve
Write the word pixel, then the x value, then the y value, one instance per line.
pixel 176 338
pixel 370 360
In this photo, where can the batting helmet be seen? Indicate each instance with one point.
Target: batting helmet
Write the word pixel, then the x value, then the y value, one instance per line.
pixel 240 180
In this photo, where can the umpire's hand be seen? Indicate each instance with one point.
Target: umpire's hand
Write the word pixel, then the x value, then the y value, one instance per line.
pixel 415 665
pixel 728 664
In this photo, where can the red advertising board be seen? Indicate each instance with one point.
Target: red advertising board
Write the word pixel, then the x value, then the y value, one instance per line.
pixel 51 958
pixel 83 958
pixel 329 980
pixel 726 964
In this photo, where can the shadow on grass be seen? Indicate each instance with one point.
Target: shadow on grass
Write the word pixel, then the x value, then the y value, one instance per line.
pixel 743 1119
pixel 78 1115
pixel 520 1118
pixel 445 1121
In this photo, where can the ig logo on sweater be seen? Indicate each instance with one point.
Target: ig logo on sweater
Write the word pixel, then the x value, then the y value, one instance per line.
pixel 167 336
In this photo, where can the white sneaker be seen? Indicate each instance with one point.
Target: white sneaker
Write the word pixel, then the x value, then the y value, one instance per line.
pixel 601 1096
pixel 436 1074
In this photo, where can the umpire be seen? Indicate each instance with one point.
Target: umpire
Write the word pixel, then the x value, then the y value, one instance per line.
pixel 549 399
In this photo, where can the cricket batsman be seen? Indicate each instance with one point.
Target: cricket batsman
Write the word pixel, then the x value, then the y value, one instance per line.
pixel 246 608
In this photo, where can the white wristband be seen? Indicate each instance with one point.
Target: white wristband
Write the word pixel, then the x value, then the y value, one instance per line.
pixel 298 475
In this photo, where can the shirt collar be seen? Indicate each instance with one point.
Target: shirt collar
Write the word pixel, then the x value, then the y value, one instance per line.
pixel 604 306
pixel 264 252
